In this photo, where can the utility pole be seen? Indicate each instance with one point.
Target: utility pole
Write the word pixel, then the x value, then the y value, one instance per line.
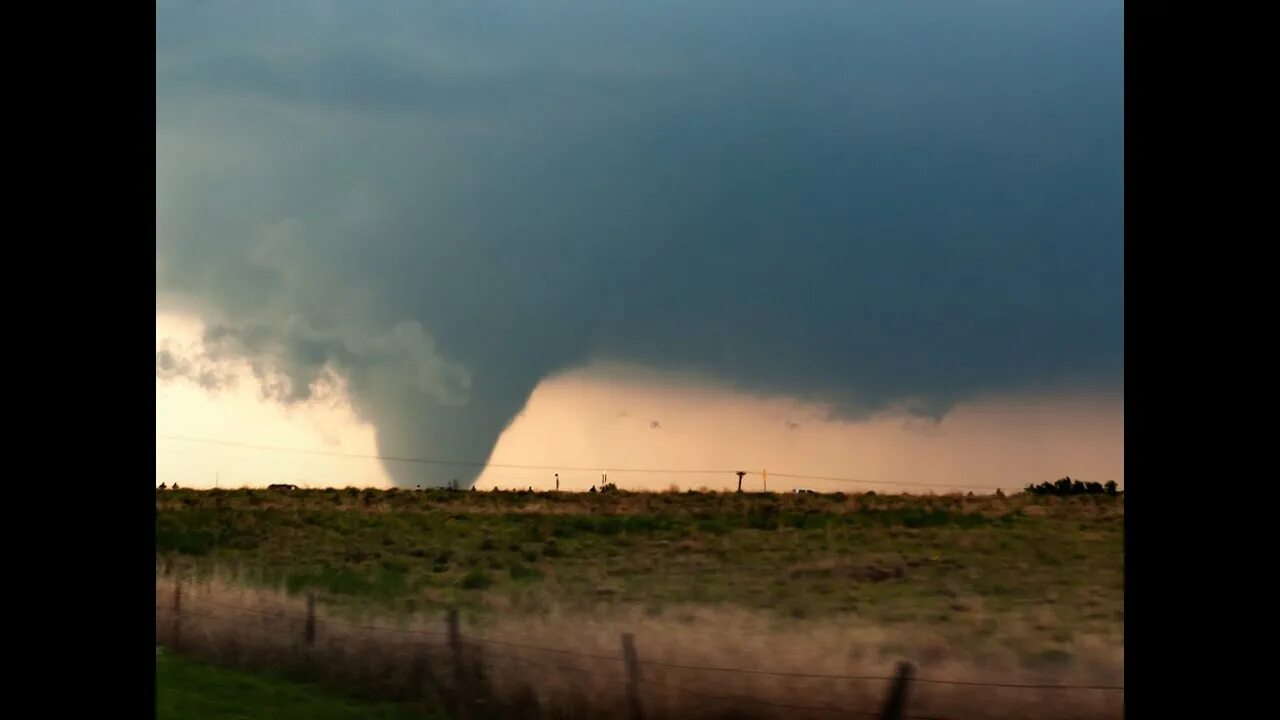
pixel 557 482
pixel 740 474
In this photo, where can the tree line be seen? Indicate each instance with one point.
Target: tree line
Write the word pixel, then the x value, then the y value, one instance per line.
pixel 1067 486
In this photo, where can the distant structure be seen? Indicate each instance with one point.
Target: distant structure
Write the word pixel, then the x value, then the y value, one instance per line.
pixel 282 486
pixel 557 482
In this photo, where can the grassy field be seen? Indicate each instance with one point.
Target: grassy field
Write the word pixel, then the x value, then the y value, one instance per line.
pixel 188 690
pixel 1040 576
pixel 1023 589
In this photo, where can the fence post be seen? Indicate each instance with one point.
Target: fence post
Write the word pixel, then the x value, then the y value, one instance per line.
pixel 455 647
pixel 309 632
pixel 632 662
pixel 177 614
pixel 418 675
pixel 896 703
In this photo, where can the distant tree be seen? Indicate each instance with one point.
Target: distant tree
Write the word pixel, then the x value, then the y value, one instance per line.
pixel 592 490
pixel 162 486
pixel 1066 486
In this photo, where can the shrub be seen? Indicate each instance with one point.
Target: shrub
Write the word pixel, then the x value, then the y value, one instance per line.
pixel 763 517
pixel 524 572
pixel 476 580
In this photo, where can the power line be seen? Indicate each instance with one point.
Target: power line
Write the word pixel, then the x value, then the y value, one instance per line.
pixel 432 461
pixel 873 482
pixel 563 468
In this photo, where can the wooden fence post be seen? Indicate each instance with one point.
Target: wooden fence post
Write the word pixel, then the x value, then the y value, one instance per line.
pixel 177 614
pixel 632 662
pixel 455 647
pixel 418 675
pixel 896 703
pixel 309 632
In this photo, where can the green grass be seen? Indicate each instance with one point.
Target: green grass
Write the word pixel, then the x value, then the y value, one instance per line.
pixel 950 561
pixel 187 690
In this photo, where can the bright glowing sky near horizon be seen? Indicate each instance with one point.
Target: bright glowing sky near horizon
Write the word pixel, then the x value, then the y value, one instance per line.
pixel 877 241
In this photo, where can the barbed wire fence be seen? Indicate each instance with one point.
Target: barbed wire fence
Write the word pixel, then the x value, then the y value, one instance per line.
pixel 473 676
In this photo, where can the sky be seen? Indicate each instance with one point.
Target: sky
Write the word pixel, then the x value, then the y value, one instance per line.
pixel 868 240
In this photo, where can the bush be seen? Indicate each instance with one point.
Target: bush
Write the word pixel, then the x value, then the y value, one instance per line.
pixel 763 517
pixel 476 580
pixel 524 572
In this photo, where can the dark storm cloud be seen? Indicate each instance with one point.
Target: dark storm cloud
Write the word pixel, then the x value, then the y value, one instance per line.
pixel 864 204
pixel 177 364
